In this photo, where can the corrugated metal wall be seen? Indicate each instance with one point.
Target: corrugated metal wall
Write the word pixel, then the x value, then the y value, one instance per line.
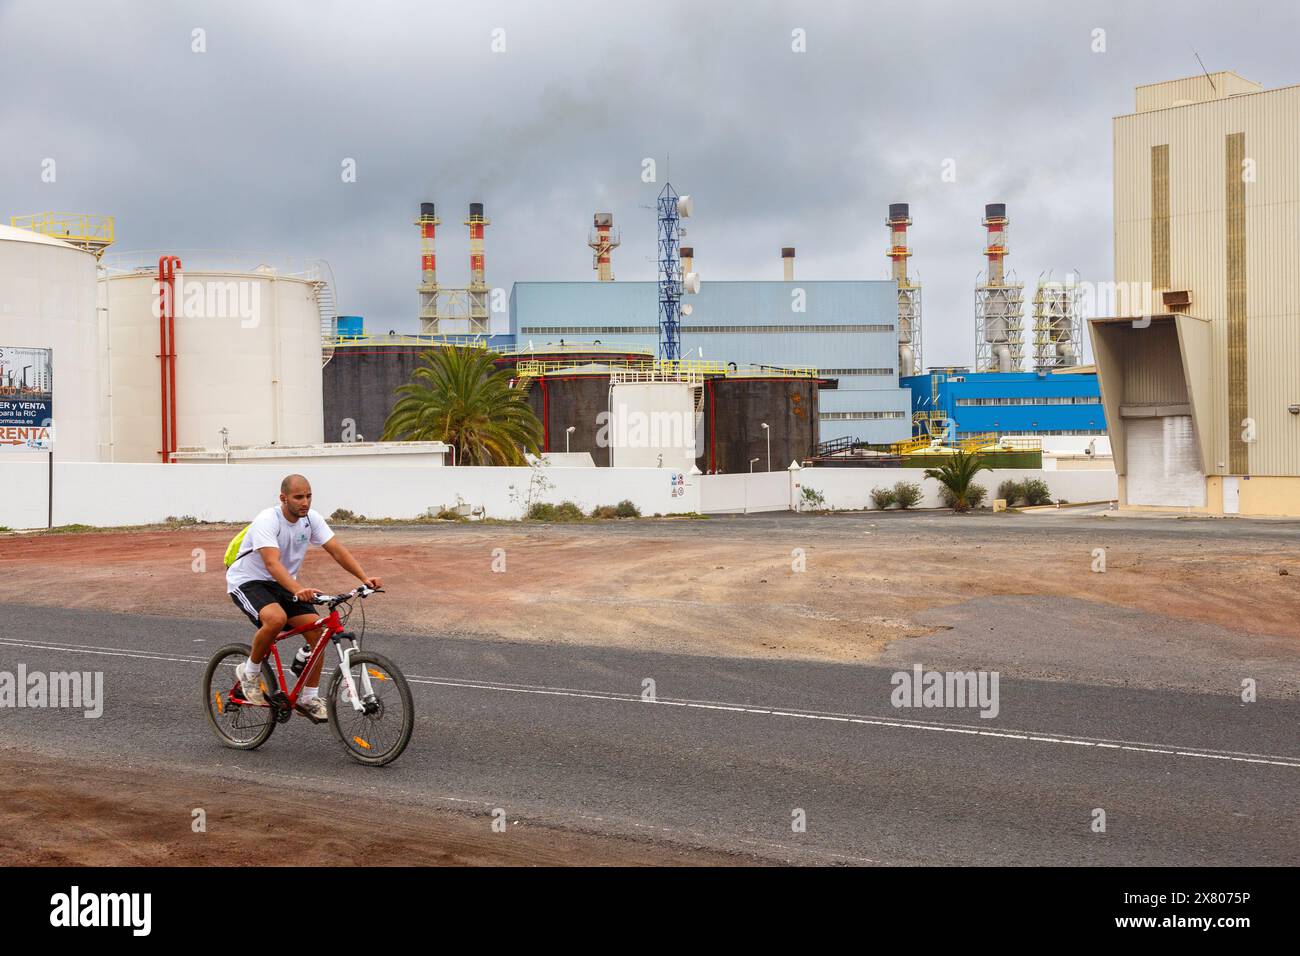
pixel 1198 172
pixel 846 328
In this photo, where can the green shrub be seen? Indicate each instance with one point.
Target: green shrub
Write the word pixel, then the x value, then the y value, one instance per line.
pixel 604 511
pixel 812 498
pixel 565 511
pixel 907 494
pixel 342 514
pixel 882 498
pixel 1011 491
pixel 183 519
pixel 446 514
pixel 625 509
pixel 1037 492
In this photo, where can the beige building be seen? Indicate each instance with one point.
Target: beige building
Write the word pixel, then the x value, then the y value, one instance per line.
pixel 1199 359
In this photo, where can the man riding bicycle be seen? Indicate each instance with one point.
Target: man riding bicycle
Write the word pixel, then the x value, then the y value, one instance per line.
pixel 262 581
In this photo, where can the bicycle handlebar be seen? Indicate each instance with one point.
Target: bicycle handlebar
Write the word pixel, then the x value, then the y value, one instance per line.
pixel 360 591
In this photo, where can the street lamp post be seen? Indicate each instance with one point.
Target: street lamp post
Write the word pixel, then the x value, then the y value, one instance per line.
pixel 751 465
pixel 567 432
pixel 768 432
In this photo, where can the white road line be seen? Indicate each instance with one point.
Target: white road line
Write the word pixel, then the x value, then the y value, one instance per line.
pixel 616 697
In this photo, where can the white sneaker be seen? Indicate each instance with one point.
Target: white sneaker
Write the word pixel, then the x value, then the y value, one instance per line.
pixel 251 689
pixel 314 709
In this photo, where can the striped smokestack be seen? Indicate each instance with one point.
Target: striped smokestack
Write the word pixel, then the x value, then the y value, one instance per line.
pixel 476 222
pixel 602 241
pixel 428 223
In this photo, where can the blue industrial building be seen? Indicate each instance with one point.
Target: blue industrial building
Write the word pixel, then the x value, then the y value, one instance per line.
pixel 847 330
pixel 1062 402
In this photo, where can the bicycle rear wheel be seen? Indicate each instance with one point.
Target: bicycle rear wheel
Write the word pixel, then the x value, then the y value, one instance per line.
pixel 378 734
pixel 242 726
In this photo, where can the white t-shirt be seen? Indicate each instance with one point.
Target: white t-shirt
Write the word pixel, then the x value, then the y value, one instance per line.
pixel 271 529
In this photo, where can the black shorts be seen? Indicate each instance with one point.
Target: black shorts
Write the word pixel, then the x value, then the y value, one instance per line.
pixel 255 595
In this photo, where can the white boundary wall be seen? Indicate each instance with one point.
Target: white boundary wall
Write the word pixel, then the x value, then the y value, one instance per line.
pixel 107 494
pixel 850 488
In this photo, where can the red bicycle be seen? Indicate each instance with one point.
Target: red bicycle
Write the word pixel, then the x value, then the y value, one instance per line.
pixel 368 699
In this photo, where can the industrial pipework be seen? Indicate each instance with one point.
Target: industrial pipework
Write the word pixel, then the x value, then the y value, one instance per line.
pixel 168 266
pixel 1058 325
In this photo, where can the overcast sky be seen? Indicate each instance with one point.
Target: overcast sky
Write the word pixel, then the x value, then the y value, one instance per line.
pixel 240 147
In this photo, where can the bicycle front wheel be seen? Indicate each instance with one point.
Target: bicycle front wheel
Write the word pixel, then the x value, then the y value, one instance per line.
pixel 377 733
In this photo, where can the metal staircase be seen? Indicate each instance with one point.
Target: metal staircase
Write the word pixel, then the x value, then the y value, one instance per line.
pixel 322 286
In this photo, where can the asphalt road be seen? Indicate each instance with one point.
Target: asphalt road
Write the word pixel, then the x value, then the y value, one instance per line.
pixel 727 754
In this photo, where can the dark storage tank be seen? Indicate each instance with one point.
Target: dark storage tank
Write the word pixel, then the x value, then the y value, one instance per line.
pixel 735 408
pixel 360 383
pixel 574 397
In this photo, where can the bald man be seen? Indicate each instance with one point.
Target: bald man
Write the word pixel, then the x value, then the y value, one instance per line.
pixel 262 582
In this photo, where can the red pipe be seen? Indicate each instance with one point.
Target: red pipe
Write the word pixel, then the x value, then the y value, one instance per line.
pixel 167 266
pixel 171 347
pixel 162 355
pixel 713 430
pixel 546 418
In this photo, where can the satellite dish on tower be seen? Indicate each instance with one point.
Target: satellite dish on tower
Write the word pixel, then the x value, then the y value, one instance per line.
pixel 685 205
pixel 691 282
pixel 687 308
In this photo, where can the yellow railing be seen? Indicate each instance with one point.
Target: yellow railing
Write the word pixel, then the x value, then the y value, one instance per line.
pixel 93 233
pixel 910 445
pixel 976 442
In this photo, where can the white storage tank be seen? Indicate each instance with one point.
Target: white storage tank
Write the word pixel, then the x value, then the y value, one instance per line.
pixel 248 359
pixel 47 300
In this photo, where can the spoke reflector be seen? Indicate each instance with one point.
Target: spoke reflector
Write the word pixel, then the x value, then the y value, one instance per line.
pixel 376 675
pixel 361 743
pixel 220 709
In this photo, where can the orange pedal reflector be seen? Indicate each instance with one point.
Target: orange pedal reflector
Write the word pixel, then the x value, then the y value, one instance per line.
pixel 361 742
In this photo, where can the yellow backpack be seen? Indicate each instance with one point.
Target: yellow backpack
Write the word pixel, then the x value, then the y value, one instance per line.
pixel 232 549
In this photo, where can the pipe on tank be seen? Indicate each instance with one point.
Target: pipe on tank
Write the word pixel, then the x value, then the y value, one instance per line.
pixel 1003 354
pixel 906 361
pixel 167 268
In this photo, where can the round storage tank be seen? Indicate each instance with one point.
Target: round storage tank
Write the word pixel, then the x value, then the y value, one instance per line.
pixel 577 398
pixel 47 301
pixel 248 359
pixel 360 383
pixel 735 408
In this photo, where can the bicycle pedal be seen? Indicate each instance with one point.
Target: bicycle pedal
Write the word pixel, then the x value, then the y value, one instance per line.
pixel 314 720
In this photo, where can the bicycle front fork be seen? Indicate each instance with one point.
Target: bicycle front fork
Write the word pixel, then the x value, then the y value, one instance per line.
pixel 363 701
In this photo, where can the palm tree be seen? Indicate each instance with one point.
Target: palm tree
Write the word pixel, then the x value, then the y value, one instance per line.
pixel 956 474
pixel 459 397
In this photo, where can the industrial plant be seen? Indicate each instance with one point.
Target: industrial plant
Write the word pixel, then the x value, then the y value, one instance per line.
pixel 768 372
